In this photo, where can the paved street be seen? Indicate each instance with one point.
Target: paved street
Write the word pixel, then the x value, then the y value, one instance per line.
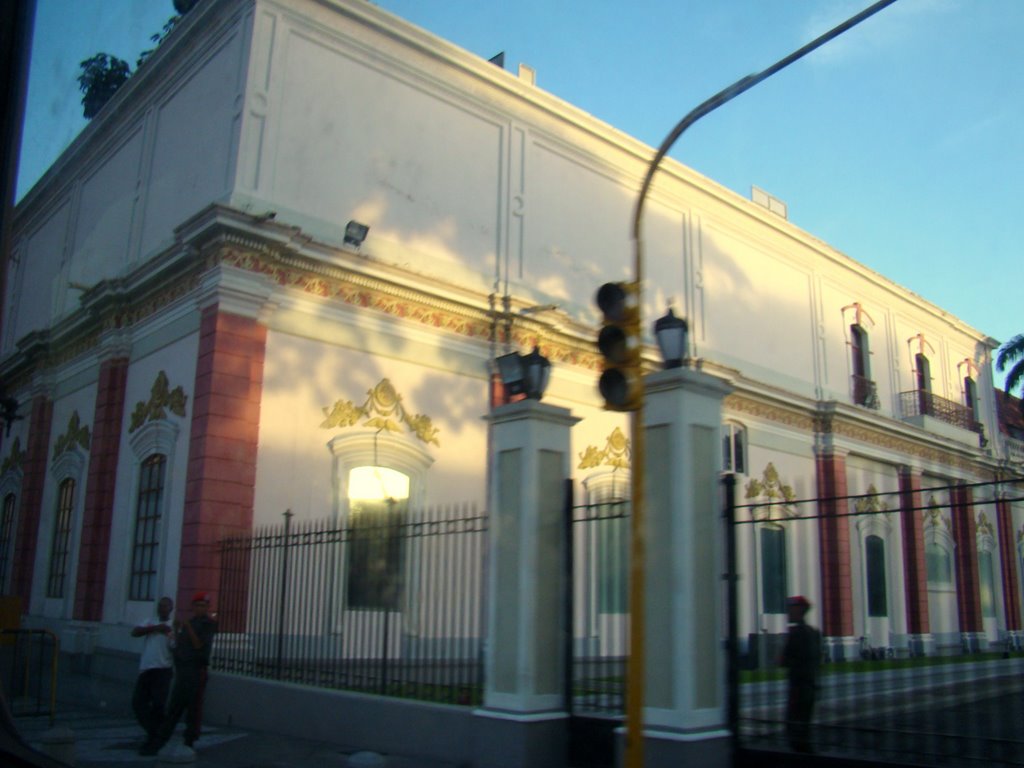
pixel 113 739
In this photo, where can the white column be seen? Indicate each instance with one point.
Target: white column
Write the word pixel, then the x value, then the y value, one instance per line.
pixel 685 701
pixel 524 703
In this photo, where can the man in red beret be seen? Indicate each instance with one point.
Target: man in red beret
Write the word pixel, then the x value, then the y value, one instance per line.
pixel 802 656
pixel 193 641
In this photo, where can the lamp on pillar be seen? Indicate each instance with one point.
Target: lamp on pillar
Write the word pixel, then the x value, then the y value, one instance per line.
pixel 671 333
pixel 525 374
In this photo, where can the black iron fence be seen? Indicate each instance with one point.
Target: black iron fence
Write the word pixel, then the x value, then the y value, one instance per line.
pixel 599 533
pixel 28 671
pixel 919 664
pixel 391 604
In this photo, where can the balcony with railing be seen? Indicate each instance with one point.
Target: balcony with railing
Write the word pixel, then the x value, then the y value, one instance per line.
pixel 931 412
pixel 865 392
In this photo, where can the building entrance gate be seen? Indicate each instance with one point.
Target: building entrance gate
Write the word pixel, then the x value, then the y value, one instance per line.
pixel 597 612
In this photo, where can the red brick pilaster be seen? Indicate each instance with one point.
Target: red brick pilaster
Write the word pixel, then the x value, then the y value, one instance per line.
pixel 915 571
pixel 221 477
pixel 94 551
pixel 1008 564
pixel 33 480
pixel 965 535
pixel 834 541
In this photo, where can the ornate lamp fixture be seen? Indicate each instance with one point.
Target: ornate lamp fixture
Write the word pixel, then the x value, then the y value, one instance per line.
pixel 671 333
pixel 525 374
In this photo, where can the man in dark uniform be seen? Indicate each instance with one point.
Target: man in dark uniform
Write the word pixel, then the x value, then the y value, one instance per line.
pixel 802 656
pixel 193 641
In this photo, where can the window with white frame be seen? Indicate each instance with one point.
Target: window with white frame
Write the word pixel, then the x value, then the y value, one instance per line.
pixel 379 477
pixel 938 557
pixel 607 494
pixel 60 546
pixel 7 520
pixel 145 568
pixel 774 587
pixel 734 448
pixel 986 584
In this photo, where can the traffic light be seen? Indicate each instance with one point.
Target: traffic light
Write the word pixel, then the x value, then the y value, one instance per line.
pixel 619 344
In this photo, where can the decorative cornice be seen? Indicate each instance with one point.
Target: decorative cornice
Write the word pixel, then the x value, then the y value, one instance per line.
pixel 77 435
pixel 382 411
pixel 161 397
pixel 616 453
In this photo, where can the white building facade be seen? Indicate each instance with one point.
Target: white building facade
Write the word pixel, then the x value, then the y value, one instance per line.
pixel 196 348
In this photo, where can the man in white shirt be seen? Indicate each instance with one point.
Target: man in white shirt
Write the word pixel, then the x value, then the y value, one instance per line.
pixel 155 668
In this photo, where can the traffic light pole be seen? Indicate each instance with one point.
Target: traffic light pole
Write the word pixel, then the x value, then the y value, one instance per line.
pixel 634 746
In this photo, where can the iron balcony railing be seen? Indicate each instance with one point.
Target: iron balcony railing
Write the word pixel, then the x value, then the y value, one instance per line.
pixel 920 402
pixel 865 392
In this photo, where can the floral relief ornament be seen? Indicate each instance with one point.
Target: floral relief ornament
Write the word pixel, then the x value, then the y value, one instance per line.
pixel 14 459
pixel 161 397
pixel 771 487
pixel 383 411
pixel 616 453
pixel 77 434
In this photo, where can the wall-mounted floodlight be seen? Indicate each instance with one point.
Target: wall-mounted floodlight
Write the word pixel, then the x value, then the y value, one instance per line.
pixel 355 233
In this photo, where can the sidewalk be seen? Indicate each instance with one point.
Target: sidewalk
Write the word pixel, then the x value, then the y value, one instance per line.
pixel 103 738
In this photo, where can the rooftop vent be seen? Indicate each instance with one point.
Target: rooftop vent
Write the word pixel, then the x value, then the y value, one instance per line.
pixel 770 202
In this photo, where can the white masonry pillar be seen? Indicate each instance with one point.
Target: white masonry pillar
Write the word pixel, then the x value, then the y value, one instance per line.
pixel 685 697
pixel 523 720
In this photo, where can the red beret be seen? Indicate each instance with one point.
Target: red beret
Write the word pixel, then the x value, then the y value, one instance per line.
pixel 201 597
pixel 799 600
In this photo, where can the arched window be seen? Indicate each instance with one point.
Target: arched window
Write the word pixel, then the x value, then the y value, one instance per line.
pixel 734 449
pixel 874 550
pixel 773 569
pixel 6 539
pixel 60 547
pixel 607 496
pixel 378 500
pixel 146 541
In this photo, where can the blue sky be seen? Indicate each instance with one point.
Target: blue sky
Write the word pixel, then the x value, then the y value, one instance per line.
pixel 900 144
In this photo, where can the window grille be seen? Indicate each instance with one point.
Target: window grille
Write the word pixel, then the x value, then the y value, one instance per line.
pixel 146 543
pixel 60 549
pixel 773 569
pixel 875 555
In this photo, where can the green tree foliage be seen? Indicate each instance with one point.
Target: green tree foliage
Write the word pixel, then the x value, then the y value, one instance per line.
pixel 100 78
pixel 1011 355
pixel 103 74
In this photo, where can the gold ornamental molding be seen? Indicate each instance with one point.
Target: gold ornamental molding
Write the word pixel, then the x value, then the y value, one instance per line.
pixel 933 515
pixel 984 526
pixel 161 399
pixel 871 503
pixel 769 412
pixel 368 293
pixel 617 453
pixel 780 496
pixel 76 435
pixel 382 410
pixel 14 459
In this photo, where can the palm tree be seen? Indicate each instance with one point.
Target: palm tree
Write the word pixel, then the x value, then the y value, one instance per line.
pixel 1011 355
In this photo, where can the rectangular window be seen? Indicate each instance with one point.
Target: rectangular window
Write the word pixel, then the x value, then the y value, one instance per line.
pixel 877 602
pixel 937 561
pixel 773 569
pixel 6 537
pixel 146 544
pixel 60 548
pixel 375 554
pixel 612 554
pixel 986 583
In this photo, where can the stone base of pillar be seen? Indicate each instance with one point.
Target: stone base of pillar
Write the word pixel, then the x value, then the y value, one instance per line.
pixel 512 740
pixel 920 645
pixel 841 649
pixel 708 749
pixel 973 642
